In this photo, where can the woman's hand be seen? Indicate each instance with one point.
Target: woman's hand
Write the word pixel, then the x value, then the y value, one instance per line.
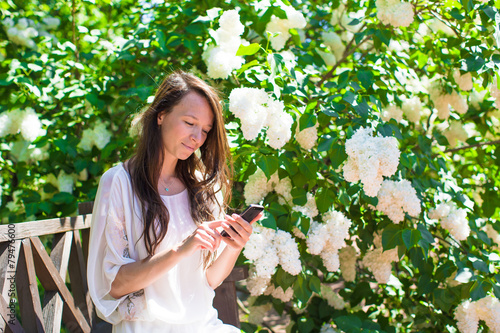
pixel 205 237
pixel 240 234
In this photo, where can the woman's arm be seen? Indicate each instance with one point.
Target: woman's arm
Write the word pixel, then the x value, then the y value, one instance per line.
pixel 224 264
pixel 140 274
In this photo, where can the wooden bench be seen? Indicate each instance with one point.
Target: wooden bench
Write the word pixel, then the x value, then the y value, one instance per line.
pixel 61 270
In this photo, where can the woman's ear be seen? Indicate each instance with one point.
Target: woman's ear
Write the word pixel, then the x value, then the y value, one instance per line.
pixel 160 117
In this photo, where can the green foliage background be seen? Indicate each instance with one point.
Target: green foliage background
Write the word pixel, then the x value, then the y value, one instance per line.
pixel 103 63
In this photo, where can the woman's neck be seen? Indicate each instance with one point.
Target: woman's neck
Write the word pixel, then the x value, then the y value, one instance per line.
pixel 168 168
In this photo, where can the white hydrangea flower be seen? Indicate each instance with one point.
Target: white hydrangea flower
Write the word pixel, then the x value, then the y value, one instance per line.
pixel 468 314
pixel 464 81
pixel 31 126
pixel 488 309
pixel 493 234
pixel 51 23
pixel 284 189
pixel 221 60
pixel 288 252
pixel 334 43
pixel 250 106
pixel 328 58
pixel 268 248
pixel 325 239
pixel 396 198
pixel 380 263
pixel 308 137
pixel 257 284
pixel 394 12
pixel 494 91
pixel 65 182
pixel 412 109
pixel 332 298
pixel 347 258
pixel 455 132
pixel 467 318
pixel 98 136
pixel 370 158
pixel 392 112
pixel 298 234
pixel 284 296
pixel 294 20
pixel 453 219
pixel 309 209
pixel 279 124
pixel 257 187
pixel 458 102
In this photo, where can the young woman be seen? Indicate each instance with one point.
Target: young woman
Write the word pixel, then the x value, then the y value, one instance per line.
pixel 156 252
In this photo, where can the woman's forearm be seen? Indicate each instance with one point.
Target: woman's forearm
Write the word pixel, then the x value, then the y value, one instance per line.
pixel 222 266
pixel 140 274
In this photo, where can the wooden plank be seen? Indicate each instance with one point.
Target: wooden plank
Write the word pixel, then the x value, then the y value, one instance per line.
pixel 9 254
pixel 226 304
pixel 238 273
pixel 78 278
pixel 85 207
pixel 45 227
pixel 51 280
pixel 11 324
pixel 52 303
pixel 29 300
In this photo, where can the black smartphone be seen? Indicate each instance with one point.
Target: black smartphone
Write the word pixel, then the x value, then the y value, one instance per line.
pixel 248 215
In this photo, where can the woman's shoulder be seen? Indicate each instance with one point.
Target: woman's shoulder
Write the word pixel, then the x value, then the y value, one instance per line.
pixel 116 174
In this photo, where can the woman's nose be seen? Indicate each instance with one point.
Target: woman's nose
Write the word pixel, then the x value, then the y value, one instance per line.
pixel 196 135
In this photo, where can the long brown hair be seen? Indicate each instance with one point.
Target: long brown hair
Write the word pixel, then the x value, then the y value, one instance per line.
pixel 214 162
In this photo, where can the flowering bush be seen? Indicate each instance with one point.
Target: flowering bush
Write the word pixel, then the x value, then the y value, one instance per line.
pixel 368 129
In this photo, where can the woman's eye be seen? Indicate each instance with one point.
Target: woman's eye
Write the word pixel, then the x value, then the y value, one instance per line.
pixel 190 124
pixel 206 132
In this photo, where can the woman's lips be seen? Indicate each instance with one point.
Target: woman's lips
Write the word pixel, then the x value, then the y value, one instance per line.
pixel 188 147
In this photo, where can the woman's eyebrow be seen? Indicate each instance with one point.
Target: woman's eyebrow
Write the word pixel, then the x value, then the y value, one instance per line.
pixel 196 118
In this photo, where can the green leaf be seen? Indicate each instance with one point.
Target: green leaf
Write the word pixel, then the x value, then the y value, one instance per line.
pixel 349 323
pixel 326 141
pixel 315 284
pixel 349 97
pixel 411 237
pixel 268 221
pixel 366 78
pixel 337 155
pixel 324 199
pixel 284 279
pixel 248 50
pixel 309 168
pixel 268 164
pixel 391 236
pixel 62 198
pixel 307 120
pixel 425 233
pixel 299 196
pixel 305 324
pixel 474 63
pixel 479 289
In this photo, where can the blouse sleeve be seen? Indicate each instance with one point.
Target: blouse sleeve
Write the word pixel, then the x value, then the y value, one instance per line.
pixel 109 250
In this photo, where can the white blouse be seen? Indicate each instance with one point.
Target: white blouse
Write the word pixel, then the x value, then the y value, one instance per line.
pixel 180 300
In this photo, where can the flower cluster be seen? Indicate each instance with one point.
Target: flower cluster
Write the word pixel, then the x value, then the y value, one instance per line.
pixel 379 261
pixel 326 239
pixel 443 101
pixel 308 137
pixel 278 293
pixel 23 32
pixel 347 257
pixel 455 132
pixel 309 209
pixel 370 158
pixel 332 298
pixel 412 109
pixel 258 186
pixel 392 112
pixel 394 12
pixel 453 219
pixel 464 81
pixel 468 314
pixel 256 109
pixel 98 136
pixel 294 20
pixel 267 248
pixel 26 122
pixel 221 60
pixel 334 44
pixel 494 235
pixel 396 198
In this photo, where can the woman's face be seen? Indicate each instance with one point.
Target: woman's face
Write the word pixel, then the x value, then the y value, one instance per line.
pixel 185 128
